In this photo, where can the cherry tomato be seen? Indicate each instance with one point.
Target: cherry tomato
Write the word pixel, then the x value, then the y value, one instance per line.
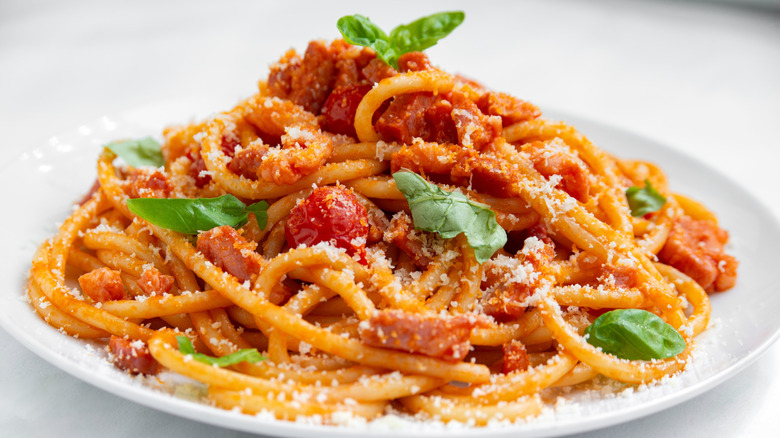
pixel 340 107
pixel 329 214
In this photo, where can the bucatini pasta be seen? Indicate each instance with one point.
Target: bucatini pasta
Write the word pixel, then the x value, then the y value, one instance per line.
pixel 426 246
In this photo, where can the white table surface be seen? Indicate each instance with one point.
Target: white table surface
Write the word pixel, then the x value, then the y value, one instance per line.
pixel 702 77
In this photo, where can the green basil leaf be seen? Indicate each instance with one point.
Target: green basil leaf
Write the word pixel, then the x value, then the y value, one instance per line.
pixel 244 355
pixel 451 213
pixel 387 53
pixel 138 153
pixel 413 37
pixel 185 345
pixel 260 210
pixel 361 31
pixel 425 32
pixel 191 216
pixel 634 334
pixel 644 200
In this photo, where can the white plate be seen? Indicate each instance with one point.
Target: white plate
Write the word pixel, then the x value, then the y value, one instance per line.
pixel 59 172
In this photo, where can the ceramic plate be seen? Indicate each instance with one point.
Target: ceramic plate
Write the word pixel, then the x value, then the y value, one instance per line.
pixel 50 177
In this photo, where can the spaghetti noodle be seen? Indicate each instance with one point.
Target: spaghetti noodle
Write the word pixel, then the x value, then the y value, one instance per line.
pixel 355 306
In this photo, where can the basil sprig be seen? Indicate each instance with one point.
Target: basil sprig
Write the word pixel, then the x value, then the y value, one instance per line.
pixel 191 216
pixel 634 334
pixel 644 200
pixel 413 37
pixel 451 213
pixel 138 153
pixel 244 355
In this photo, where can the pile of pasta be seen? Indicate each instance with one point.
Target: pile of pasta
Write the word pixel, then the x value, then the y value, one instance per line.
pixel 396 319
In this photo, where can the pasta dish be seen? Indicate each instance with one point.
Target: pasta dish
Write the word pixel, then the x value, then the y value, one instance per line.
pixel 370 234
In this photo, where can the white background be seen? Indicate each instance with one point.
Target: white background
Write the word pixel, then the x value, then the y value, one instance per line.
pixel 701 77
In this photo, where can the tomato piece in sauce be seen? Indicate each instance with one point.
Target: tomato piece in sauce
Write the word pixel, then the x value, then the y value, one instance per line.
pixel 329 214
pixel 341 106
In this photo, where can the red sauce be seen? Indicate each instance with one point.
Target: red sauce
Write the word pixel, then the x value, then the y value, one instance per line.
pixel 413 61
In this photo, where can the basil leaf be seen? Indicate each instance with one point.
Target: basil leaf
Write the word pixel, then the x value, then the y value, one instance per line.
pixel 260 209
pixel 634 334
pixel 425 32
pixel 644 200
pixel 413 37
pixel 244 355
pixel 361 31
pixel 387 52
pixel 451 213
pixel 191 216
pixel 138 153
